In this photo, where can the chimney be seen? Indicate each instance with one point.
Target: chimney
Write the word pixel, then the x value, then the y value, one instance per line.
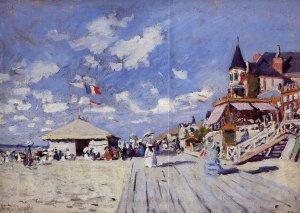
pixel 278 61
pixel 256 57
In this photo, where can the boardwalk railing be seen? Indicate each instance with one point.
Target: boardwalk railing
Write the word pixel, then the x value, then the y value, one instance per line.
pixel 250 147
pixel 259 143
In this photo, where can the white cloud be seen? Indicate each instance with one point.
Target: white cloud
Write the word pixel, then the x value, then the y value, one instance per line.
pixel 90 61
pixel 84 100
pixel 79 79
pixel 142 120
pixel 4 77
pixel 122 96
pixel 49 122
pixel 125 97
pixel 100 109
pixel 153 89
pixel 89 80
pixel 20 118
pixel 55 107
pixel 180 74
pixel 54 35
pixel 135 51
pixel 116 66
pixel 12 128
pixel 35 119
pixel 31 125
pixel 73 99
pixel 190 100
pixel 45 95
pixel 101 33
pixel 46 129
pixel 7 108
pixel 41 69
pixel 19 66
pixel 20 104
pixel 23 91
pixel 23 106
pixel 2 121
pixel 164 105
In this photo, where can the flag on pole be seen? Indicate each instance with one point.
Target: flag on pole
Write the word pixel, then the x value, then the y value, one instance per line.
pixel 95 90
pixel 90 89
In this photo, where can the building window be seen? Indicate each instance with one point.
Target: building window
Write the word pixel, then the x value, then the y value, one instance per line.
pixel 236 76
pixel 231 78
pixel 291 97
pixel 285 99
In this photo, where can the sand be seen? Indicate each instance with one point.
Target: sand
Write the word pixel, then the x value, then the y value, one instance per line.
pixel 69 186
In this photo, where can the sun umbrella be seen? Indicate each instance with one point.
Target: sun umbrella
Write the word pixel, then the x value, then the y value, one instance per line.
pixel 148 134
pixel 133 137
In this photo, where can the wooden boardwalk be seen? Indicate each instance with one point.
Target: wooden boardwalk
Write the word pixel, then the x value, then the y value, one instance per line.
pixel 179 185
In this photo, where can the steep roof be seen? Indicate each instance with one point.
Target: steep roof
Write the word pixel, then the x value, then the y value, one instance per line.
pixel 238 60
pixel 291 62
pixel 265 62
pixel 78 129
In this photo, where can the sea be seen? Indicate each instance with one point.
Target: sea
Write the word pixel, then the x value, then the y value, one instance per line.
pixel 19 147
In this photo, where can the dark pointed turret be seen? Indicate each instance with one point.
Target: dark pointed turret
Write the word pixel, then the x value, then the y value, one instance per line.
pixel 193 120
pixel 238 60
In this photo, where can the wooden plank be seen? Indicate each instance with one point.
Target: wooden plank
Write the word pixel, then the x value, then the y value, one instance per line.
pixel 192 175
pixel 190 200
pixel 140 204
pixel 123 202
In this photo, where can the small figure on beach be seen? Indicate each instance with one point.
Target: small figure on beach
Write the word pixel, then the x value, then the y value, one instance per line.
pixel 28 156
pixel 107 155
pixel 150 156
pixel 124 152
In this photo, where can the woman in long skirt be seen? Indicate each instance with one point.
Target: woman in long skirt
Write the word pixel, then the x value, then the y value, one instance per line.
pixel 150 156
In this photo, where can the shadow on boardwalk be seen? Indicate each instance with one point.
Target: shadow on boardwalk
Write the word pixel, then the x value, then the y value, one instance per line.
pixel 176 163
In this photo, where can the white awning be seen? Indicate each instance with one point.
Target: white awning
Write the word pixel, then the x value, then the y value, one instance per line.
pixel 264 107
pixel 242 106
pixel 216 114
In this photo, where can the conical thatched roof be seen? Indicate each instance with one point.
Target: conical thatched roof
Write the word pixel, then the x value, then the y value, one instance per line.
pixel 78 129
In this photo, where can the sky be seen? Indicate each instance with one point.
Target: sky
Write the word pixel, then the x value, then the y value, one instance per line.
pixel 152 61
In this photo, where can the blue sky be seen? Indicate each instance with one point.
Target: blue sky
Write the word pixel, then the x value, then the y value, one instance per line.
pixel 150 60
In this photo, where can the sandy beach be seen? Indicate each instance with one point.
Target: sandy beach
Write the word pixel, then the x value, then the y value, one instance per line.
pixel 69 186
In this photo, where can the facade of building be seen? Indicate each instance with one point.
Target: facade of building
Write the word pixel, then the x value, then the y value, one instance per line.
pixel 265 89
pixel 290 102
pixel 267 72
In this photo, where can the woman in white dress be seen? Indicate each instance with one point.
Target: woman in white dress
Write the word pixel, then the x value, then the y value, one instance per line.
pixel 150 156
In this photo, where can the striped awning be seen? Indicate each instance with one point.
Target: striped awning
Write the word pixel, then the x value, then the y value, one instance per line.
pixel 242 106
pixel 264 107
pixel 216 114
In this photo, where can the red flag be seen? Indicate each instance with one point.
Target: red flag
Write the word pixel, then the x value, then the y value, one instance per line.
pixel 95 90
pixel 94 102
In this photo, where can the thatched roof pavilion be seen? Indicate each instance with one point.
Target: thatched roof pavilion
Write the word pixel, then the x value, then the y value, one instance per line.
pixel 78 129
pixel 76 136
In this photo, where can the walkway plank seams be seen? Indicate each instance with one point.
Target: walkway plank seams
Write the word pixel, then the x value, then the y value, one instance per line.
pixel 182 186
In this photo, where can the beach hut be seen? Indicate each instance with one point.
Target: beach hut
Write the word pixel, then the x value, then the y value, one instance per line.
pixel 76 136
pixel 229 136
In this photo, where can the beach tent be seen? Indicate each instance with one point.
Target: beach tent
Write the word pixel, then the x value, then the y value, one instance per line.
pixel 76 136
